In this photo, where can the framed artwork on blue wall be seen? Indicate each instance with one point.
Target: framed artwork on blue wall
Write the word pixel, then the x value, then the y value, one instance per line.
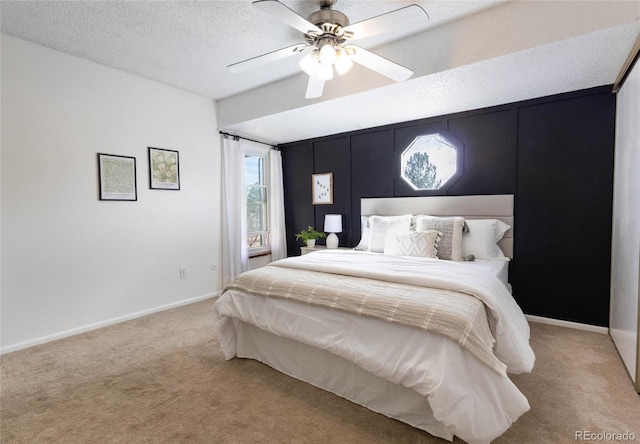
pixel 322 186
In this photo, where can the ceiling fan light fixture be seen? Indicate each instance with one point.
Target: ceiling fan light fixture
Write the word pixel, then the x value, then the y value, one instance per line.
pixel 310 63
pixel 343 62
pixel 324 72
pixel 327 34
pixel 327 54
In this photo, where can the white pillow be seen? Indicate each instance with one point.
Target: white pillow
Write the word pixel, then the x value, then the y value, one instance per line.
pixel 450 245
pixel 379 225
pixel 412 243
pixel 482 239
pixel 365 234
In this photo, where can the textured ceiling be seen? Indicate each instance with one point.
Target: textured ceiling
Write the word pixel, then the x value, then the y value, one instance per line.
pixel 189 44
pixel 470 54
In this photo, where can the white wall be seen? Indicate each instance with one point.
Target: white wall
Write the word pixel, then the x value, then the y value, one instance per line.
pixel 625 265
pixel 71 262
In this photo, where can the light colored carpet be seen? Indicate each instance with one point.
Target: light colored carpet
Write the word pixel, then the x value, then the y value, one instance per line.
pixel 163 379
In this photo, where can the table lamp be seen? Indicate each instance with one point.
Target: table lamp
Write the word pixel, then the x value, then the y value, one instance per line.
pixel 333 225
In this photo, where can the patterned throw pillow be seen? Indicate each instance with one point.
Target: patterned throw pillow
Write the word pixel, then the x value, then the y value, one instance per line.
pixel 450 245
pixel 412 243
pixel 380 225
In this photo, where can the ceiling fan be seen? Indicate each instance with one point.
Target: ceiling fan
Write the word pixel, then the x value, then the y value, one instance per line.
pixel 327 35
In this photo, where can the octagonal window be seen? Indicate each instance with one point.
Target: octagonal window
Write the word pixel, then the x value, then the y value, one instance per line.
pixel 429 162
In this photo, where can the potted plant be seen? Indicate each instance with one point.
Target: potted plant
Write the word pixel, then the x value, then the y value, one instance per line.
pixel 309 235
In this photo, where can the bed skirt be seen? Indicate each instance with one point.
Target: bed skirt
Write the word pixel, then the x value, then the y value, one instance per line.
pixel 330 372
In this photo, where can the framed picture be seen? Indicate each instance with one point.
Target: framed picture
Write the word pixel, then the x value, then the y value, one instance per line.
pixel 117 177
pixel 322 188
pixel 164 169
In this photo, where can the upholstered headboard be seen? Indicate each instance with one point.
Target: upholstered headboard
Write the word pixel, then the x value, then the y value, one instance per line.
pixel 499 206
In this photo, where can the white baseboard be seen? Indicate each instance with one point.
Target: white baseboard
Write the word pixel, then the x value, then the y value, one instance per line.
pixel 101 324
pixel 568 324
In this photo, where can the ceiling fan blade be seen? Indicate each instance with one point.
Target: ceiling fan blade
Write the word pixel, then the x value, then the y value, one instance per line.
pixel 387 22
pixel 287 15
pixel 379 64
pixel 269 57
pixel 314 87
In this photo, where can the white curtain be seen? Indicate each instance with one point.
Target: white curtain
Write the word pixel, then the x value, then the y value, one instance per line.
pixel 277 230
pixel 234 211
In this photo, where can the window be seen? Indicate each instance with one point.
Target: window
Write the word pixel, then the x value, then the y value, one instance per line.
pixel 429 162
pixel 256 177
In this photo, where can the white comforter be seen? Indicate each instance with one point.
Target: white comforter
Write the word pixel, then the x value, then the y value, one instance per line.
pixel 471 400
pixel 509 325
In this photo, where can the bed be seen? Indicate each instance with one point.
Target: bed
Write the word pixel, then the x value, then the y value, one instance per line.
pixel 421 339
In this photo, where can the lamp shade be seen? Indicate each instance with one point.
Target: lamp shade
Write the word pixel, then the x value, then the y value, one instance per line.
pixel 325 72
pixel 327 54
pixel 333 223
pixel 310 63
pixel 343 62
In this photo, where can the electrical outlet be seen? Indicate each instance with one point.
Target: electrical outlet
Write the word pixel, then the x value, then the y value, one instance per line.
pixel 183 273
pixel 214 267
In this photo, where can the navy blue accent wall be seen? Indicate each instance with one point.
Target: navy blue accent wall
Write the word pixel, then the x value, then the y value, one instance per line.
pixel 555 154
